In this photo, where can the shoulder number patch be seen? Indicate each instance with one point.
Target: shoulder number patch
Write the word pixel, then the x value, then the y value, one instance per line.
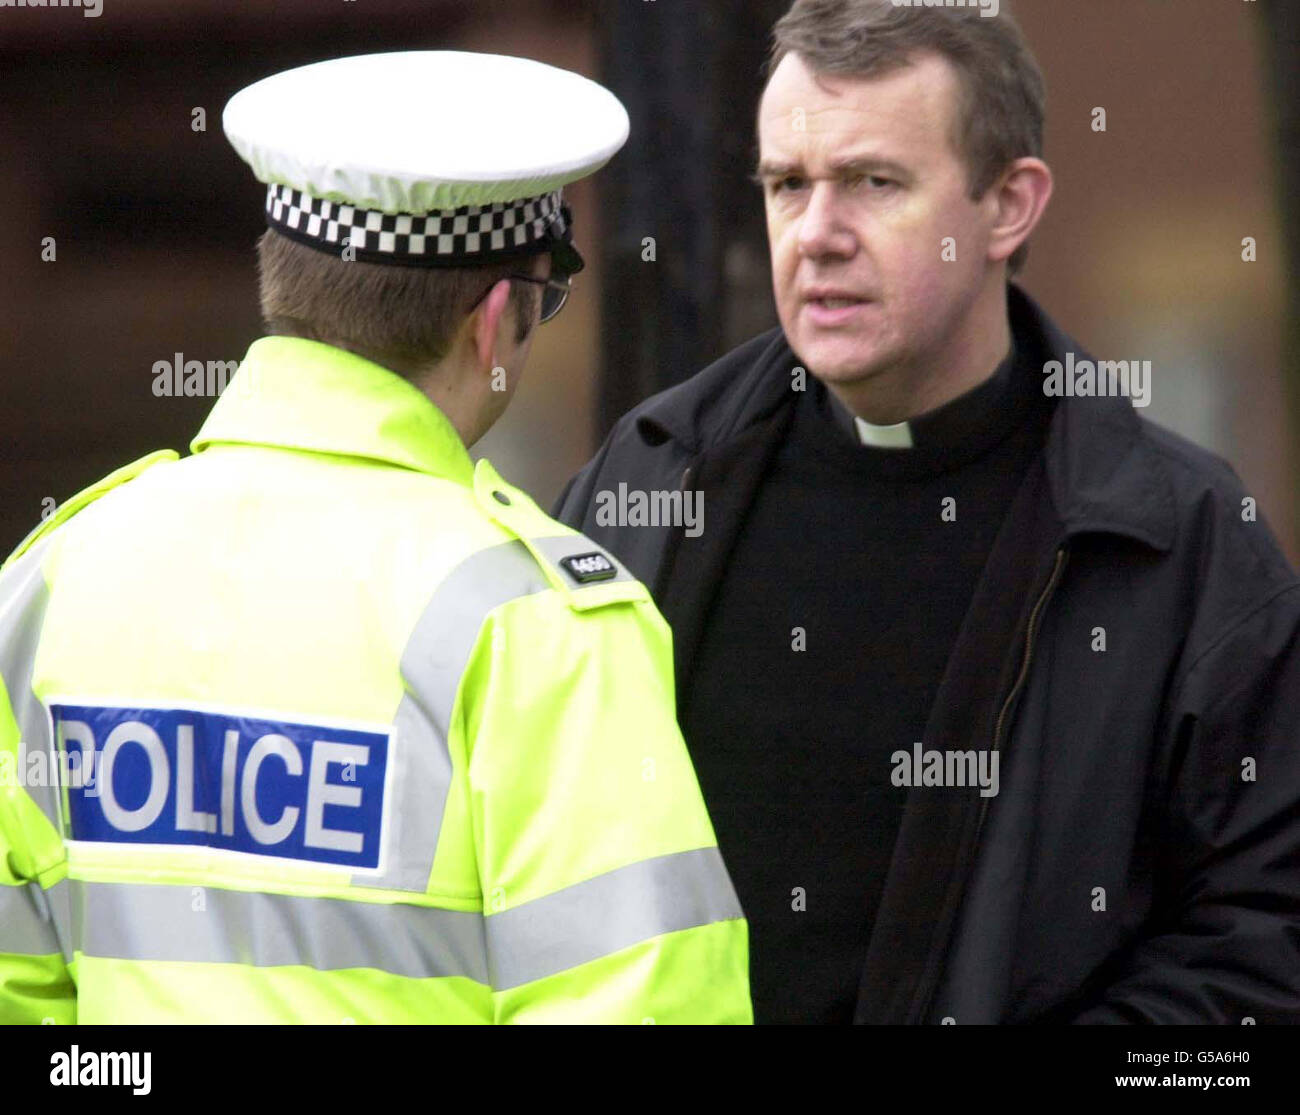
pixel 585 568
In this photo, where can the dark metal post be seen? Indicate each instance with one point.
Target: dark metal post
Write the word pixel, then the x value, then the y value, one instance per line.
pixel 690 74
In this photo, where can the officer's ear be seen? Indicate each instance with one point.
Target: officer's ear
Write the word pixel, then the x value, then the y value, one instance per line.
pixel 486 324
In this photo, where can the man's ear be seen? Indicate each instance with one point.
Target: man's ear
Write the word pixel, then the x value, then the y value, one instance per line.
pixel 486 323
pixel 1021 198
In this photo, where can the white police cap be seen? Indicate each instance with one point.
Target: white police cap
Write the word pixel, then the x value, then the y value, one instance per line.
pixel 425 158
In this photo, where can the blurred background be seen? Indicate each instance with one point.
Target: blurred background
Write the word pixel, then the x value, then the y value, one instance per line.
pixel 154 222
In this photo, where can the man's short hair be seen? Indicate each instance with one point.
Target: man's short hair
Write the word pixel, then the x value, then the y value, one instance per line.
pixel 1002 93
pixel 403 318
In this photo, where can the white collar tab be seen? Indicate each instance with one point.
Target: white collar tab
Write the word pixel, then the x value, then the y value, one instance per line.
pixel 897 436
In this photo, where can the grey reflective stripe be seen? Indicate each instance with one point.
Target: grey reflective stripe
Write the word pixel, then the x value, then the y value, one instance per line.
pixel 26 921
pixel 432 665
pixel 584 922
pixel 23 599
pixel 571 545
pixel 59 899
pixel 610 912
pixel 144 921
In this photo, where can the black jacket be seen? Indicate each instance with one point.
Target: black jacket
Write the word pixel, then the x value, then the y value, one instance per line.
pixel 1142 859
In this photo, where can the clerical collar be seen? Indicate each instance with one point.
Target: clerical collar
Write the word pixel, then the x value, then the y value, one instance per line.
pixel 897 436
pixel 947 426
pixel 946 438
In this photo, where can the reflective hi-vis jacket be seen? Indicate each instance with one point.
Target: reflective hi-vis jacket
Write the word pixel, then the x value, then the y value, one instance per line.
pixel 324 723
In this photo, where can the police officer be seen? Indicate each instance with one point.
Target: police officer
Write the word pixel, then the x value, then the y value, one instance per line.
pixel 325 722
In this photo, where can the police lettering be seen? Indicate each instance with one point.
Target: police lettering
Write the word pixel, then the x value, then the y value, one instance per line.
pixel 191 777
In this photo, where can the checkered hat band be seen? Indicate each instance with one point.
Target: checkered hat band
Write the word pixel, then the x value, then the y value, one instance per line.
pixel 443 236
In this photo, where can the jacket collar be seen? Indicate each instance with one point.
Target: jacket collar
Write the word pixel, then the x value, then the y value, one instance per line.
pixel 1103 471
pixel 728 397
pixel 1104 475
pixel 296 394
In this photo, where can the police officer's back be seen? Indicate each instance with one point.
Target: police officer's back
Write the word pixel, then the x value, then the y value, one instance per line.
pixel 344 727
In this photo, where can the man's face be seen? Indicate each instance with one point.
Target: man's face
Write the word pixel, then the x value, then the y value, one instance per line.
pixel 861 186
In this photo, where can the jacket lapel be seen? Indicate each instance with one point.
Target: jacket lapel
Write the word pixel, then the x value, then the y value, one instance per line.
pixel 731 450
pixel 693 567
pixel 1096 473
pixel 936 840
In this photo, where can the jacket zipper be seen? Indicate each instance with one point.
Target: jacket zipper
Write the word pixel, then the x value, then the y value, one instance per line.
pixel 1031 634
